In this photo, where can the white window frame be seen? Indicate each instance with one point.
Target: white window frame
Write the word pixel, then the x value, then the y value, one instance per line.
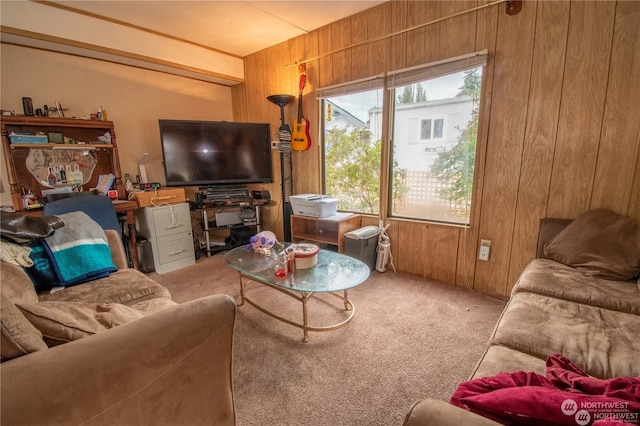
pixel 431 138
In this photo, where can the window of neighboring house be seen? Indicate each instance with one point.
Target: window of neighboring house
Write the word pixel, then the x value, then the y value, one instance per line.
pixel 435 181
pixel 431 128
pixel 352 145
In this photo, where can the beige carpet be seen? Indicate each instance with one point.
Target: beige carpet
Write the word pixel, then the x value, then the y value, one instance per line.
pixel 410 339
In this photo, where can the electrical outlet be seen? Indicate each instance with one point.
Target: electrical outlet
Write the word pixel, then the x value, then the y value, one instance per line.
pixel 485 250
pixel 275 144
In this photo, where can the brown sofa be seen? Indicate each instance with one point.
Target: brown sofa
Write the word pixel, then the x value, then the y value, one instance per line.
pixel 567 309
pixel 118 351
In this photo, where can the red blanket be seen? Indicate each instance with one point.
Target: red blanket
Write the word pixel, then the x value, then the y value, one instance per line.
pixel 565 395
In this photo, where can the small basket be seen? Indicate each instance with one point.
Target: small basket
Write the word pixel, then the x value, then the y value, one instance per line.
pixel 306 255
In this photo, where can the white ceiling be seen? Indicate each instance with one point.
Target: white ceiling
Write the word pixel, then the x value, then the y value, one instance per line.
pixel 236 27
pixel 168 34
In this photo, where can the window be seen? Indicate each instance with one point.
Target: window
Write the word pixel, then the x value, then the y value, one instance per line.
pixel 434 181
pixel 433 118
pixel 352 144
pixel 431 128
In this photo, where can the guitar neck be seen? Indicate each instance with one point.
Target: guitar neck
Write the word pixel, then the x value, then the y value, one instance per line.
pixel 300 106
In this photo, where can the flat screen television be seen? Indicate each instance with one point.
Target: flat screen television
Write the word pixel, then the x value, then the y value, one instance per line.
pixel 207 153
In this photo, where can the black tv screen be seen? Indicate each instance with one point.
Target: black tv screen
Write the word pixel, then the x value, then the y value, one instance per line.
pixel 215 152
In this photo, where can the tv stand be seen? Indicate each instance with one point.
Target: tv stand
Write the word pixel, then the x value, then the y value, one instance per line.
pixel 249 216
pixel 224 207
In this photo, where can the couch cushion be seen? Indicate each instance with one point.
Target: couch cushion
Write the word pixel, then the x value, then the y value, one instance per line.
pixel 61 322
pixel 602 342
pixel 600 243
pixel 555 279
pixel 127 286
pixel 498 359
pixel 434 412
pixel 16 285
pixel 549 229
pixel 153 305
pixel 19 336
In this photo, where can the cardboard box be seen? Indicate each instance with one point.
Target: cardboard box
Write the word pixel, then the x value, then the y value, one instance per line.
pixel 159 196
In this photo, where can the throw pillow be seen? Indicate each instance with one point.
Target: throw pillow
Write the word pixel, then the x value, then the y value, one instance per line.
pixel 18 336
pixel 61 322
pixel 599 243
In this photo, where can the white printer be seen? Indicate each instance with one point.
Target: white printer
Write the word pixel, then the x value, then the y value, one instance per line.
pixel 315 205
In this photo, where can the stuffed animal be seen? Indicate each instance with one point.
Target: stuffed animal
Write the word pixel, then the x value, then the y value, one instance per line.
pixel 262 242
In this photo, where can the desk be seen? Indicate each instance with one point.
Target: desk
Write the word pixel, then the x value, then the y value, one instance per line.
pixel 126 207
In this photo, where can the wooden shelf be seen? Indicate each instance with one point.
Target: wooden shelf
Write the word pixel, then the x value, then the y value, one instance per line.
pixel 32 176
pixel 24 120
pixel 323 230
pixel 60 146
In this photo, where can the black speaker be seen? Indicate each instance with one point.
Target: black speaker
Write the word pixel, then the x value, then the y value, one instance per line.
pixel 145 256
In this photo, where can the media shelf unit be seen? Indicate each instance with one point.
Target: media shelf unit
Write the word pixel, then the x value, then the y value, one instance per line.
pixel 323 230
pixel 230 200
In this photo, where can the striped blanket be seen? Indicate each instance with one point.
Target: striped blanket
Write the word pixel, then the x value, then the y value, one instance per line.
pixel 76 253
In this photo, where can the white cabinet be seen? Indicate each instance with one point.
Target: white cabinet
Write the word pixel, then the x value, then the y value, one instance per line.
pixel 168 228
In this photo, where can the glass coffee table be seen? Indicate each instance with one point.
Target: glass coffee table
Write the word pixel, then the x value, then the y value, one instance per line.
pixel 334 274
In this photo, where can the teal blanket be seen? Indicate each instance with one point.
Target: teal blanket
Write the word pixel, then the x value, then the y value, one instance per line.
pixel 79 251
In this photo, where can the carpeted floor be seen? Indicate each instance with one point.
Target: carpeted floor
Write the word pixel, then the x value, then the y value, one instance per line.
pixel 410 339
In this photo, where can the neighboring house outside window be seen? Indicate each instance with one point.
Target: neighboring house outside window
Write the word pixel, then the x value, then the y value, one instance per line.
pixel 352 152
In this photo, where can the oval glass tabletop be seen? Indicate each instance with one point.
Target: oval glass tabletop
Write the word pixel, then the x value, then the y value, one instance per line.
pixel 333 272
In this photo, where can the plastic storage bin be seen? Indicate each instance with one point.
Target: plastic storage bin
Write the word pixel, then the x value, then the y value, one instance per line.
pixel 19 138
pixel 362 244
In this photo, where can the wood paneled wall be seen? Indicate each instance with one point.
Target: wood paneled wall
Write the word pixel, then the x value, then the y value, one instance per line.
pixel 560 120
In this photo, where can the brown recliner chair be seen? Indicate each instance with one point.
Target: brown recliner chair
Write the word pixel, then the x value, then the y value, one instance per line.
pixel 171 366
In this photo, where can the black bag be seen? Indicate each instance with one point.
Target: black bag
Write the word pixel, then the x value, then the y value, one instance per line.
pixel 240 235
pixel 21 229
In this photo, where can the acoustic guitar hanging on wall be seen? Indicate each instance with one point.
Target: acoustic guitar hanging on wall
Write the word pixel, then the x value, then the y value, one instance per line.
pixel 300 139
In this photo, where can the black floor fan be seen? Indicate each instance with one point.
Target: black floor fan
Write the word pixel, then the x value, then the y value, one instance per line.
pixel 286 167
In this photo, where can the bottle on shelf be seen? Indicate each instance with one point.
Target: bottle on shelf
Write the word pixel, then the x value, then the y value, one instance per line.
pixel 102 113
pixel 77 177
pixel 52 180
